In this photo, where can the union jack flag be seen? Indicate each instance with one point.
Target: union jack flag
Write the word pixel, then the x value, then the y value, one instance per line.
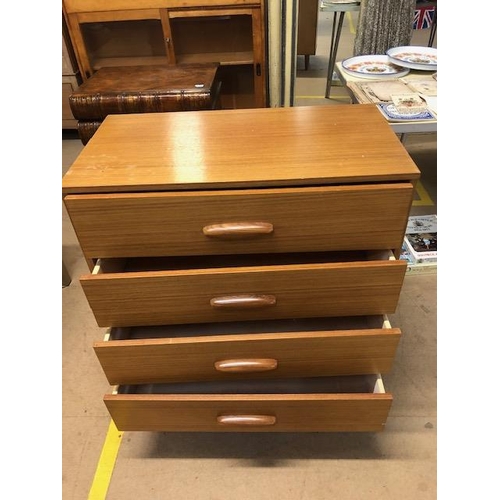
pixel 423 18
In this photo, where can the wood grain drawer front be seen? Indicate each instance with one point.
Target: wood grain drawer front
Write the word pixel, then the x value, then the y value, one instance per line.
pixel 305 405
pixel 245 293
pixel 228 222
pixel 274 353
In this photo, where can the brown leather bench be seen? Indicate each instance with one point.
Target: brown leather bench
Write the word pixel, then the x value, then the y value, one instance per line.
pixel 143 89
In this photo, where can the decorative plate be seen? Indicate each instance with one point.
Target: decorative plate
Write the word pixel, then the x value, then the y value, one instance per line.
pixel 392 114
pixel 422 58
pixel 373 66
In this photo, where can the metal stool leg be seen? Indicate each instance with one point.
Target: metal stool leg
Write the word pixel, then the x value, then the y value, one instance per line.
pixel 433 28
pixel 334 45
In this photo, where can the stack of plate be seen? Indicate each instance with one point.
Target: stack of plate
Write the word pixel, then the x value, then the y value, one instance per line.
pixel 396 63
pixel 420 58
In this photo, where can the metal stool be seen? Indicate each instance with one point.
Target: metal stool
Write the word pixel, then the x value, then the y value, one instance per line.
pixel 337 7
pixel 433 30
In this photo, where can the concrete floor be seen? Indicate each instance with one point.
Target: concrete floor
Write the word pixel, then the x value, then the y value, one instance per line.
pixel 397 463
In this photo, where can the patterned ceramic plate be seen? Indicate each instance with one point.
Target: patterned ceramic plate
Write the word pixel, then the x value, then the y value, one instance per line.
pixel 377 67
pixel 392 114
pixel 422 58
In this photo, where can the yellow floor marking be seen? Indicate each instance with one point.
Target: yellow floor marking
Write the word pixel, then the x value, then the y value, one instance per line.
pixel 352 28
pixel 424 198
pixel 322 97
pixel 102 476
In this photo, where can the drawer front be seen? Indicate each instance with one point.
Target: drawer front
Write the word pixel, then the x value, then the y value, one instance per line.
pixel 362 217
pixel 237 356
pixel 330 413
pixel 248 412
pixel 245 293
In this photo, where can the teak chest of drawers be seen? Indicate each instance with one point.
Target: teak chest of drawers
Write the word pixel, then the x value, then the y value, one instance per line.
pixel 243 263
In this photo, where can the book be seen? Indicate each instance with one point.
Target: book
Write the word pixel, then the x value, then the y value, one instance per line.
pixel 409 103
pixel 420 240
pixel 427 86
pixel 405 254
pixel 381 91
pixel 422 268
pixel 414 267
pixel 87 129
pixel 146 89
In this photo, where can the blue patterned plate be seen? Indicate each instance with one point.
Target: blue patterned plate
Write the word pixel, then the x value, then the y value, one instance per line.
pixel 391 113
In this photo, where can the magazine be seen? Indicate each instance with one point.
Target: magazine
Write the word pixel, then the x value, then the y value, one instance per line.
pixel 413 267
pixel 406 254
pixel 421 238
pixel 422 268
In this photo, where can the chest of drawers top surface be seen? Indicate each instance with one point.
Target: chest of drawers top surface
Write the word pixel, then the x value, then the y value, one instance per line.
pixel 247 148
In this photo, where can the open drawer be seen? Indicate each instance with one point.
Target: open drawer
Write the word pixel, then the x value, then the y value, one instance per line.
pixel 137 292
pixel 333 404
pixel 248 350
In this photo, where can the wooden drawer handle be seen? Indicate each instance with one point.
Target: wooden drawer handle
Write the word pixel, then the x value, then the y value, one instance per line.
pixel 246 365
pixel 237 230
pixel 246 419
pixel 243 301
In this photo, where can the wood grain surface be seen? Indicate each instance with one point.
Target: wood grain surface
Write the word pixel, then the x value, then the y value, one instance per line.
pixel 355 217
pixel 97 5
pixel 310 145
pixel 301 290
pixel 292 412
pixel 317 353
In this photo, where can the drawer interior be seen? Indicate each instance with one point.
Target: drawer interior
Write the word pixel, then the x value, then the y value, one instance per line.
pixel 354 384
pixel 151 264
pixel 248 327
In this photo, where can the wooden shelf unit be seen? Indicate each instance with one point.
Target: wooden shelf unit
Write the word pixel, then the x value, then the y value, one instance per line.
pixel 307 29
pixel 148 32
pixel 70 79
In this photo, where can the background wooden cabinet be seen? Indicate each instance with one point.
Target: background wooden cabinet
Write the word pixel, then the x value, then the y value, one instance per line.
pixel 144 32
pixel 70 81
pixel 307 27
